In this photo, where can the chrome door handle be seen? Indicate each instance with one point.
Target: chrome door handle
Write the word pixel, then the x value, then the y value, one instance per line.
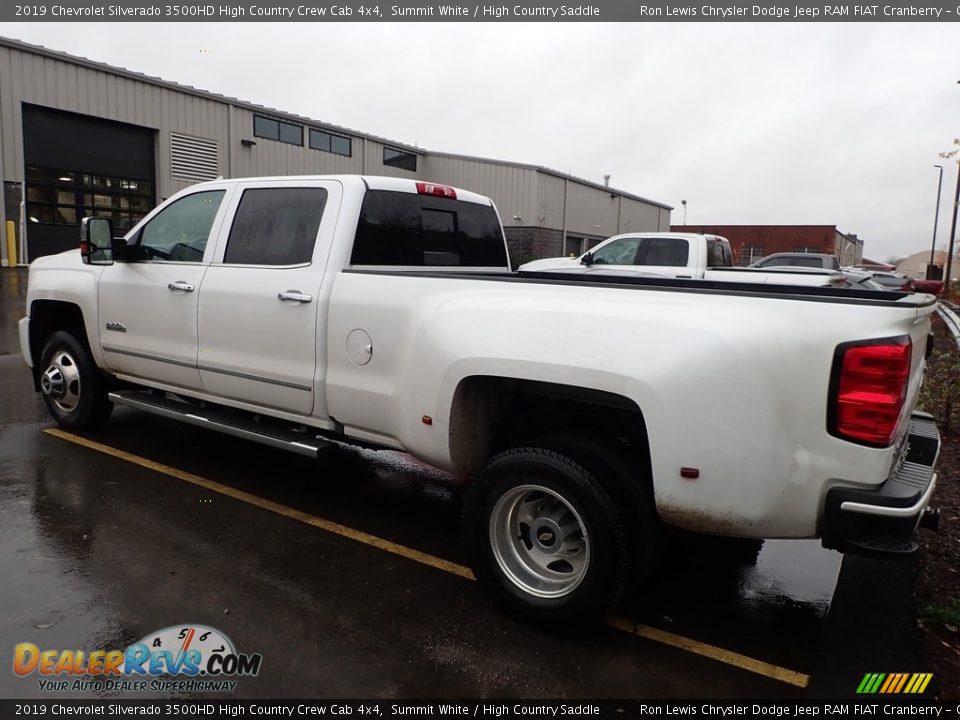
pixel 181 285
pixel 294 296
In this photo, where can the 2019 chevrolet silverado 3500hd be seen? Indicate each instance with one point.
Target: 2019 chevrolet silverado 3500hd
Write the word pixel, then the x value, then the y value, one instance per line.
pixel 589 412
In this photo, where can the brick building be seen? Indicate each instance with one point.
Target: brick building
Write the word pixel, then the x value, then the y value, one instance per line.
pixel 752 242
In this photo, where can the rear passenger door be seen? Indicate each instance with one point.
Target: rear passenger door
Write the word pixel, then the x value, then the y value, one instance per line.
pixel 261 298
pixel 666 256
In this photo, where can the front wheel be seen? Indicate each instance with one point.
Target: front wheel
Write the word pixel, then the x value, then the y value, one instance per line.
pixel 71 385
pixel 545 539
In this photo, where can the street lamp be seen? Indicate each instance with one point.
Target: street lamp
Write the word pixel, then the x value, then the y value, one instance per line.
pixel 953 231
pixel 684 203
pixel 936 217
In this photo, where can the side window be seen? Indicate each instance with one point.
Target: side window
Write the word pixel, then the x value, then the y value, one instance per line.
pixel 180 231
pixel 403 229
pixel 668 252
pixel 718 254
pixel 275 226
pixel 619 252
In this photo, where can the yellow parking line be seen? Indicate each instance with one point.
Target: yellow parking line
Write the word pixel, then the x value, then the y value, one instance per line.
pixel 277 508
pixel 744 662
pixel 713 652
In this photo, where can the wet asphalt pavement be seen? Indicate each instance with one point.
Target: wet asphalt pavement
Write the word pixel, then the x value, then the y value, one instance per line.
pixel 97 551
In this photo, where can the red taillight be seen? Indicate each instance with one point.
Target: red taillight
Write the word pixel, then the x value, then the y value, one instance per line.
pixel 869 387
pixel 438 190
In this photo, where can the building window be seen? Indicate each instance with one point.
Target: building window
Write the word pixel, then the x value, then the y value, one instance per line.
pixel 328 142
pixel 271 129
pixel 807 250
pixel 400 159
pixel 749 254
pixel 61 197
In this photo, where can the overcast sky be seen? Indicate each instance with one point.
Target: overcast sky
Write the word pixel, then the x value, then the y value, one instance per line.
pixel 833 124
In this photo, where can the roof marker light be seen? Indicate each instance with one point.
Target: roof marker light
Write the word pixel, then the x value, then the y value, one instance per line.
pixel 425 188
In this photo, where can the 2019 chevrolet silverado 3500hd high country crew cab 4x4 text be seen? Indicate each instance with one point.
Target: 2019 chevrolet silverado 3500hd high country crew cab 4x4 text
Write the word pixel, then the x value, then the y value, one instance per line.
pixel 589 412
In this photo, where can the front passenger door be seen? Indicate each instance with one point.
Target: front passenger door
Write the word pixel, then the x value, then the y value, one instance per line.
pixel 616 257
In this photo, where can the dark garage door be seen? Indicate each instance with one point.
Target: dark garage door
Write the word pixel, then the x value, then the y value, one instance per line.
pixel 78 165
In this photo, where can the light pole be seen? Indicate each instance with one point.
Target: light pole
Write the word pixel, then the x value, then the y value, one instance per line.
pixel 936 217
pixel 684 203
pixel 953 230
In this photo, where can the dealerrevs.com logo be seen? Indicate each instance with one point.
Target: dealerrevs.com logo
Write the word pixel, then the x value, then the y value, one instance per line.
pixel 178 658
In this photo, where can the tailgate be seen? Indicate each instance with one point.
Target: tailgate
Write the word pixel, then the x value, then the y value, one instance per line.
pixel 922 339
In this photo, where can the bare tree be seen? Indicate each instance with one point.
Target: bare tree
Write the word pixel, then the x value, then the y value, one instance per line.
pixel 540 243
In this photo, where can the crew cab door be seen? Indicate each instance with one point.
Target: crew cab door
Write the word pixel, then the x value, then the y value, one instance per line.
pixel 148 303
pixel 639 255
pixel 261 297
pixel 668 257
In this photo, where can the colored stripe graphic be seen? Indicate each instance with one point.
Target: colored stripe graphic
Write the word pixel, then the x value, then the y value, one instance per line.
pixel 894 683
pixel 903 680
pixel 875 684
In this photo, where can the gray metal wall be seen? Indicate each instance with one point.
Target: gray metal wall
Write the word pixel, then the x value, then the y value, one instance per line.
pixel 540 198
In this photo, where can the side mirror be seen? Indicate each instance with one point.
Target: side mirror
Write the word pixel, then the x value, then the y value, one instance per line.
pixel 96 241
pixel 587 259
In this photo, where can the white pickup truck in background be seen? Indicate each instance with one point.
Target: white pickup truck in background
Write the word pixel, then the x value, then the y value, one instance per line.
pixel 588 411
pixel 686 255
pixel 678 255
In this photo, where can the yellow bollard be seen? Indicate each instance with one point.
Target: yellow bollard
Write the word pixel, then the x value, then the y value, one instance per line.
pixel 11 243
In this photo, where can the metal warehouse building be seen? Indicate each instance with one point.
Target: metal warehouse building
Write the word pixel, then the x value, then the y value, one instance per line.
pixel 82 138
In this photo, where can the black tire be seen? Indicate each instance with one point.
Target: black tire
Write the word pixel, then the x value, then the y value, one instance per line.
pixel 79 399
pixel 629 486
pixel 502 550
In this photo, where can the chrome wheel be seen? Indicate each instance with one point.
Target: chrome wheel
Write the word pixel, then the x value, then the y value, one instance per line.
pixel 539 541
pixel 61 382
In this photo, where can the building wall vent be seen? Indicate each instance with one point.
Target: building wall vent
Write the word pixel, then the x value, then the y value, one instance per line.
pixel 193 158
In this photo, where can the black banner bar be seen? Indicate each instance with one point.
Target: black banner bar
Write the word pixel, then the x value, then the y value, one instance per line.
pixel 872 706
pixel 490 11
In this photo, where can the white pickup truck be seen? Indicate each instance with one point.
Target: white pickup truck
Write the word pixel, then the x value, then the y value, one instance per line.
pixel 678 255
pixel 589 412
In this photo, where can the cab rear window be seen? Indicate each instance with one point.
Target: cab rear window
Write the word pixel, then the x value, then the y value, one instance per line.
pixel 425 231
pixel 718 254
